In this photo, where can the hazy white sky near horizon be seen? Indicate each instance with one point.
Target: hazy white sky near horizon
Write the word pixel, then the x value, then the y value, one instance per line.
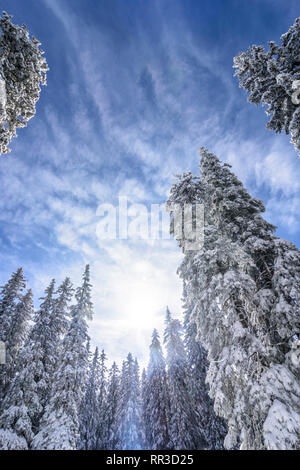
pixel 134 89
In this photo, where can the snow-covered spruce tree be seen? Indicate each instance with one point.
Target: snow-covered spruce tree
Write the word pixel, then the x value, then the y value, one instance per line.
pixel 243 287
pixel 129 435
pixel 25 398
pixel 22 69
pixel 112 403
pixel 211 426
pixel 59 426
pixel 270 79
pixel 88 410
pixel 137 386
pixel 17 336
pixel 156 399
pixel 102 430
pixel 145 410
pixel 15 313
pixel 184 429
pixel 56 328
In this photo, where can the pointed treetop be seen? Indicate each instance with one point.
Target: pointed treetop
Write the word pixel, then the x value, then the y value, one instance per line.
pixel 66 287
pixel 103 356
pixel 168 315
pixel 130 358
pixel 96 354
pixel 15 284
pixel 155 344
pixel 49 291
pixel 156 360
pixel 155 334
pixel 84 307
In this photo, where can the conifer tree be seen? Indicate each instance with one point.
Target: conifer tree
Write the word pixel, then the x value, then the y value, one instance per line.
pixel 54 331
pixel 183 429
pixel 243 287
pixel 145 410
pixel 129 434
pixel 102 430
pixel 211 426
pixel 113 397
pixel 272 78
pixel 89 411
pixel 15 312
pixel 156 398
pixel 59 427
pixel 137 387
pixel 22 70
pixel 25 398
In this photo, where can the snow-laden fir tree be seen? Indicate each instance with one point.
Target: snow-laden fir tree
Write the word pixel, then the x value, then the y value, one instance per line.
pixel 156 398
pixel 22 69
pixel 137 387
pixel 16 338
pixel 243 288
pixel 184 429
pixel 55 330
pixel 129 431
pixel 212 427
pixel 88 410
pixel 145 410
pixel 102 430
pixel 16 310
pixel 112 403
pixel 25 399
pixel 59 426
pixel 270 78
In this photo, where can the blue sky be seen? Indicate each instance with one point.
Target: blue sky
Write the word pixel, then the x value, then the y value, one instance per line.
pixel 134 89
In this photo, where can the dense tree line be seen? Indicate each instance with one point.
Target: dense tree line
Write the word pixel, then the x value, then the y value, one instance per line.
pixel 242 289
pixel 231 370
pixel 56 394
pixel 230 373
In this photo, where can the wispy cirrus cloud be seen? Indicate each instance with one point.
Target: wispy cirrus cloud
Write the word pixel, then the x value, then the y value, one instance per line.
pixel 130 99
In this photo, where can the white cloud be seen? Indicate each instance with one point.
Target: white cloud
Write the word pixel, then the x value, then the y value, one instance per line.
pixel 67 176
pixel 285 212
pixel 260 164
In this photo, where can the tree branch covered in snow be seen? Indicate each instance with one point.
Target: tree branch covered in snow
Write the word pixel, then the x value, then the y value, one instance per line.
pixel 270 78
pixel 243 292
pixel 22 70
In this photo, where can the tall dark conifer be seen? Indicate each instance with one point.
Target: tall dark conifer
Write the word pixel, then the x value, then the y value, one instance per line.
pixel 243 288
